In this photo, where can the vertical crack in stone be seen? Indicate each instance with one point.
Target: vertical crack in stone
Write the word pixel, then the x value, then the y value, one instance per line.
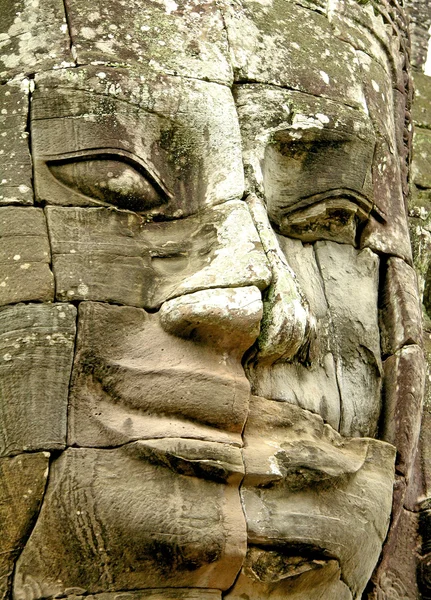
pixel 221 5
pixel 69 31
pixel 51 255
pixel 28 130
pixel 75 343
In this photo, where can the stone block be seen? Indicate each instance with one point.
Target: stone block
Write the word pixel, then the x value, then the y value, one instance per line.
pixel 277 44
pixel 24 256
pixel 185 38
pixel 348 273
pixel 421 165
pixel 160 145
pixel 113 521
pixel 403 388
pixel 400 310
pixel 112 256
pixel 132 380
pixel 33 37
pixel 36 353
pixel 22 486
pixel 15 160
pixel 271 574
pixel 321 495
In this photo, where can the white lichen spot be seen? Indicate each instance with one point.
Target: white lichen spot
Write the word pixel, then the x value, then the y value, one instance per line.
pixel 375 85
pixel 309 121
pixel 93 16
pixel 3 284
pixel 17 257
pixel 23 189
pixel 275 469
pixel 145 28
pixel 88 33
pixel 83 289
pixel 63 28
pixel 170 6
pixel 3 111
pixel 101 75
pixel 25 266
pixel 324 76
pixel 322 118
pixel 7 357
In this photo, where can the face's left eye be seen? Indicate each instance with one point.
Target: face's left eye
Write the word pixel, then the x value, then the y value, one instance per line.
pixel 111 181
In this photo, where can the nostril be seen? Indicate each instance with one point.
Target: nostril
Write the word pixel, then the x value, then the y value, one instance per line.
pixel 225 318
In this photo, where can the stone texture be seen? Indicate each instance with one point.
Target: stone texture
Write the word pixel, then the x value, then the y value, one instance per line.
pixel 24 256
pixel 226 318
pixel 162 145
pixel 182 38
pixel 328 494
pixel 132 380
pixel 37 344
pixel 22 485
pixel 400 322
pixel 113 520
pixel 113 256
pixel 267 46
pixel 419 12
pixel 15 161
pixel 339 377
pixel 33 35
pixel 402 403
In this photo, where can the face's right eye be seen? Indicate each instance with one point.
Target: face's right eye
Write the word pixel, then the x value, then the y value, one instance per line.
pixel 110 180
pixel 318 188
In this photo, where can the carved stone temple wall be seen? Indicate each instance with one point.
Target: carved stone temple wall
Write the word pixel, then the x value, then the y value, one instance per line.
pixel 211 342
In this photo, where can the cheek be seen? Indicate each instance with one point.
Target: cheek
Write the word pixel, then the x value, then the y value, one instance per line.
pixel 341 380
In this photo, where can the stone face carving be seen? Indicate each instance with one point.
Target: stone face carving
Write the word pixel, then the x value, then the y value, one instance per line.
pixel 209 317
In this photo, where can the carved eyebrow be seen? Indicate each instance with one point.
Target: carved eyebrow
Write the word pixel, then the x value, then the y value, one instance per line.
pixel 128 158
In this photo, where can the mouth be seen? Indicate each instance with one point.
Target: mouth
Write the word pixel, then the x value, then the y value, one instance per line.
pixel 213 461
pixel 269 564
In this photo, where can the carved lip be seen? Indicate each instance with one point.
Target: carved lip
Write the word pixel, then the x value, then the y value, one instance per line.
pixel 206 460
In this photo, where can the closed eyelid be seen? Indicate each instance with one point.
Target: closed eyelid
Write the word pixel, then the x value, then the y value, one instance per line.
pixel 137 163
pixel 112 177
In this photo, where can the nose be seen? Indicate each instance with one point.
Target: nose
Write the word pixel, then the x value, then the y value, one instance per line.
pixel 287 324
pixel 228 319
pixel 231 319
